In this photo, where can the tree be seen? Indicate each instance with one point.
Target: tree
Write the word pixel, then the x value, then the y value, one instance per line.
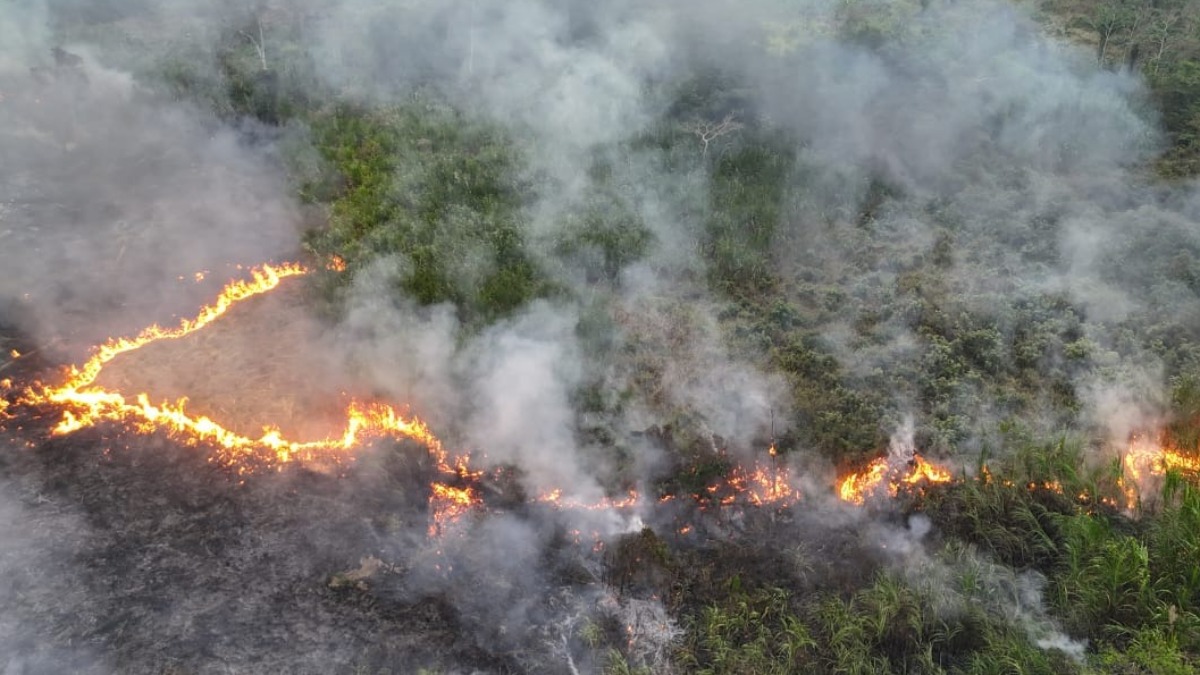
pixel 708 132
pixel 1110 18
pixel 260 44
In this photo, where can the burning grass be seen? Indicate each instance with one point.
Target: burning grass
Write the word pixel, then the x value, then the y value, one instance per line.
pixel 217 385
pixel 225 374
pixel 224 385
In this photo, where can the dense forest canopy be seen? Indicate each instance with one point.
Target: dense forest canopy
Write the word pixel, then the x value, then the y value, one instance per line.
pixel 615 247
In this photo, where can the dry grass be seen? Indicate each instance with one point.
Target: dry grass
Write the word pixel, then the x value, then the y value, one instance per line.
pixel 261 364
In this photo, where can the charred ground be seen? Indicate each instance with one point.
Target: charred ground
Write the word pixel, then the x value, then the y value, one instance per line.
pixel 613 247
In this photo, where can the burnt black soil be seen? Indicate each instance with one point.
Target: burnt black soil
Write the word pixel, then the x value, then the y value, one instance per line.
pixel 128 553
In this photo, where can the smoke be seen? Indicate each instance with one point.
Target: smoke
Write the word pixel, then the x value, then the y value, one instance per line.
pixel 960 580
pixel 1014 166
pixel 404 352
pixel 110 195
pixel 39 538
pixel 946 183
pixel 524 372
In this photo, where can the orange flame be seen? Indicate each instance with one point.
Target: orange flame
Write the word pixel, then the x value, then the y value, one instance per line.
pixel 447 504
pixel 555 498
pixel 761 486
pixel 85 404
pixel 1145 462
pixel 264 279
pixel 884 473
pixel 764 486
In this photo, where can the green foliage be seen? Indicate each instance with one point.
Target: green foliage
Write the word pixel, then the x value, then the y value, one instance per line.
pixel 749 633
pixel 237 80
pixel 640 562
pixel 603 236
pixel 841 421
pixel 747 199
pixel 1184 430
pixel 619 665
pixel 1161 40
pixel 1105 578
pixel 1149 652
pixel 1173 544
pixel 437 198
pixel 886 625
pixel 1004 520
pixel 872 23
pixel 423 183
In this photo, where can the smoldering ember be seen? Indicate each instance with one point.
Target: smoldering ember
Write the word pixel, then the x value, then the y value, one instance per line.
pixel 469 336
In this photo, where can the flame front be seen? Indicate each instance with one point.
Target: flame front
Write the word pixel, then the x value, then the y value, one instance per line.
pixel 447 504
pixel 762 485
pixel 1144 464
pixel 883 473
pixel 457 489
pixel 264 279
pixel 454 493
pixel 85 404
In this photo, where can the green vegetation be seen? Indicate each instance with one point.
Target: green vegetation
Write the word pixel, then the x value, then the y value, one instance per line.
pixel 421 183
pixel 439 197
pixel 1161 41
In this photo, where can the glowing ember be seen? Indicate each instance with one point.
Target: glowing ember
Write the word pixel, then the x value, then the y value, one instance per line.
pixel 336 264
pixel 555 498
pixel 761 486
pixel 886 473
pixel 1050 486
pixel 764 486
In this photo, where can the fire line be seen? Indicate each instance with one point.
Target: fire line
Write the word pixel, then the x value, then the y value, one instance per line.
pixel 85 403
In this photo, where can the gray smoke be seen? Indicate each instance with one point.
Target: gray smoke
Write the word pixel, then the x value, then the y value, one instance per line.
pixel 969 127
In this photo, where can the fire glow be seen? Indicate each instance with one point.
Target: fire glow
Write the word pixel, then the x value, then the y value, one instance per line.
pixel 455 492
pixel 85 404
pixel 1145 462
pixel 887 476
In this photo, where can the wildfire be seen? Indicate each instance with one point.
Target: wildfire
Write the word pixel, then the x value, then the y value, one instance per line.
pixel 1145 462
pixel 84 404
pixel 457 489
pixel 886 473
pixel 264 279
pixel 447 504
pixel 761 486
pixel 556 499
